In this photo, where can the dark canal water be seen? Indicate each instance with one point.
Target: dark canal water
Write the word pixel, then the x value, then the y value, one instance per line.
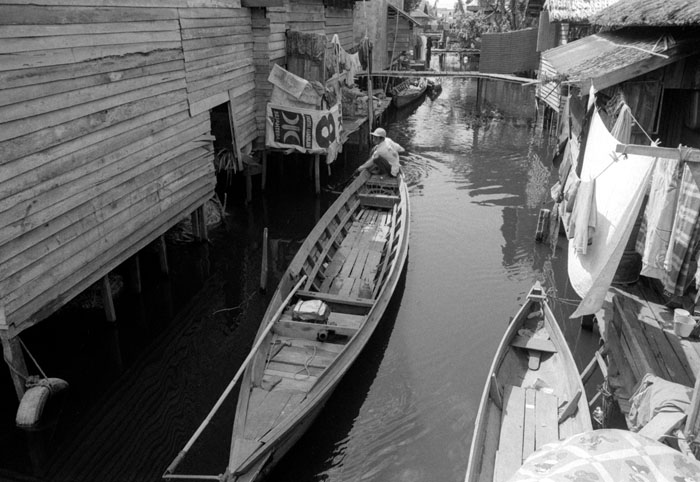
pixel 405 411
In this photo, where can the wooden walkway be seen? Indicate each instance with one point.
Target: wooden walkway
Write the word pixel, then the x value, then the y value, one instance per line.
pixel 459 75
pixel 639 338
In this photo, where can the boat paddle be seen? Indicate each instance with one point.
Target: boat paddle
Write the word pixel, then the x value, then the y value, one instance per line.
pixel 171 468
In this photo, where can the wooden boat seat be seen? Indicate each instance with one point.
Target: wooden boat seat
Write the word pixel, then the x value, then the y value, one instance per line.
pixel 535 347
pixel 344 324
pixel 335 299
pixel 379 200
pixel 529 420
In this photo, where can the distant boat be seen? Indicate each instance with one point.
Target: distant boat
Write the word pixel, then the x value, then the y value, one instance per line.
pixel 408 92
pixel 533 394
pixel 351 262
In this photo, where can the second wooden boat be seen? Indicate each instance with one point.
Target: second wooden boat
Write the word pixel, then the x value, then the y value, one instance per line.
pixel 351 261
pixel 533 394
pixel 408 92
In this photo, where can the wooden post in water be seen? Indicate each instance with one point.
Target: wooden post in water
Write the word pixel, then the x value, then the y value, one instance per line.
pixel 135 272
pixel 317 173
pixel 163 255
pixel 107 300
pixel 14 357
pixel 263 182
pixel 263 269
pixel 478 96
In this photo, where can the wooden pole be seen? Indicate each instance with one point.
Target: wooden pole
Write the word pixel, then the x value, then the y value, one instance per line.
pixel 317 173
pixel 163 255
pixel 107 299
pixel 14 357
pixel 263 269
pixel 689 154
pixel 135 271
pixel 233 382
pixel 203 235
pixel 263 182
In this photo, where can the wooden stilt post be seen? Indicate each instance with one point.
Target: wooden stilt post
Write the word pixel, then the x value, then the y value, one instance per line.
pixel 14 357
pixel 478 96
pixel 107 299
pixel 263 268
pixel 317 173
pixel 135 271
pixel 201 214
pixel 263 182
pixel 248 186
pixel 163 255
pixel 195 222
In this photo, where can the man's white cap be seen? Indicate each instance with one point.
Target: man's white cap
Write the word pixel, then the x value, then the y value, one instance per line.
pixel 379 132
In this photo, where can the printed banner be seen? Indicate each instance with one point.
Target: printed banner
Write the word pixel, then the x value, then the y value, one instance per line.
pixel 306 130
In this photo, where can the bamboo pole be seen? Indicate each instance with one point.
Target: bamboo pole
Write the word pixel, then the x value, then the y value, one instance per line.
pixel 233 382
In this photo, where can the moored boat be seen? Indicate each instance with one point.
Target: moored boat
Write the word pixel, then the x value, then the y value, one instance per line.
pixel 533 394
pixel 348 266
pixel 408 92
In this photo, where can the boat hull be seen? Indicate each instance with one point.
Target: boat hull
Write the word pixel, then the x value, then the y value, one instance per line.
pixel 532 376
pixel 300 363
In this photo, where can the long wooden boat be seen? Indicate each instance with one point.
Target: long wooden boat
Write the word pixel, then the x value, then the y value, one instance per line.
pixel 352 261
pixel 408 92
pixel 533 394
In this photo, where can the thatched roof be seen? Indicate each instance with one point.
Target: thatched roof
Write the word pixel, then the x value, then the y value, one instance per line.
pixel 575 11
pixel 609 58
pixel 650 13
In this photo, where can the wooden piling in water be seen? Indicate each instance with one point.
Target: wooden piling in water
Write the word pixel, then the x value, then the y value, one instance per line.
pixel 14 358
pixel 263 268
pixel 108 300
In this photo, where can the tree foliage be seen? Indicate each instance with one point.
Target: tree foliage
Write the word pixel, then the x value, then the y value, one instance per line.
pixel 411 5
pixel 492 16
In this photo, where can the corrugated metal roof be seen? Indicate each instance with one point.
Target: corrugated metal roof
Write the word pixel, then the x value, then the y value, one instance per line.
pixel 404 14
pixel 609 58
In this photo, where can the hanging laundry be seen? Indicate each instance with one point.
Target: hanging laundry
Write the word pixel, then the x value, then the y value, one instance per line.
pixel 583 217
pixel 685 234
pixel 620 183
pixel 657 223
pixel 622 130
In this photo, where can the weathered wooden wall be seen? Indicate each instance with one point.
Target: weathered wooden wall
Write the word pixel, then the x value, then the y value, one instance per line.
pixel 339 21
pixel 218 48
pixel 105 133
pixel 399 34
pixel 306 16
pixel 269 26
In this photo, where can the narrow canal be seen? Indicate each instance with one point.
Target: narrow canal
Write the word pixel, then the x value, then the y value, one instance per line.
pixel 406 409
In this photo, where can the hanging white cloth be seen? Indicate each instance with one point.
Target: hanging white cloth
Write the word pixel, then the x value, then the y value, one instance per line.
pixel 619 189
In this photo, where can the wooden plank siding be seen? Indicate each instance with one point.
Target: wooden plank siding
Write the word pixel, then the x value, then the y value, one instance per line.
pixel 399 34
pixel 105 135
pixel 306 16
pixel 269 47
pixel 339 22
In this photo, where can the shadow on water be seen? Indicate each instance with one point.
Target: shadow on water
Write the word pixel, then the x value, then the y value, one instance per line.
pixel 322 447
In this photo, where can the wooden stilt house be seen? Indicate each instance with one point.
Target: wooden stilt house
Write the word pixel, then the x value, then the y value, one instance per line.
pixel 105 136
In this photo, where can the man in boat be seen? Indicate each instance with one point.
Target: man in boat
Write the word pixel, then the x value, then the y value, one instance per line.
pixel 384 158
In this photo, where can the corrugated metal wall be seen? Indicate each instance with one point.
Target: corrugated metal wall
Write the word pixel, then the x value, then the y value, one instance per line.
pixel 509 52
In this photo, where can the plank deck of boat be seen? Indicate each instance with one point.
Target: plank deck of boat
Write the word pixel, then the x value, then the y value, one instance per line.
pixel 351 272
pixel 529 421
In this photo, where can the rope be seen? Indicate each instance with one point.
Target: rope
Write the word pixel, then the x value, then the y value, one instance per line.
pixel 32 357
pixel 306 364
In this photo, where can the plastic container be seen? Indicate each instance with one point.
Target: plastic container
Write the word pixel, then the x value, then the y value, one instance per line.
pixel 683 323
